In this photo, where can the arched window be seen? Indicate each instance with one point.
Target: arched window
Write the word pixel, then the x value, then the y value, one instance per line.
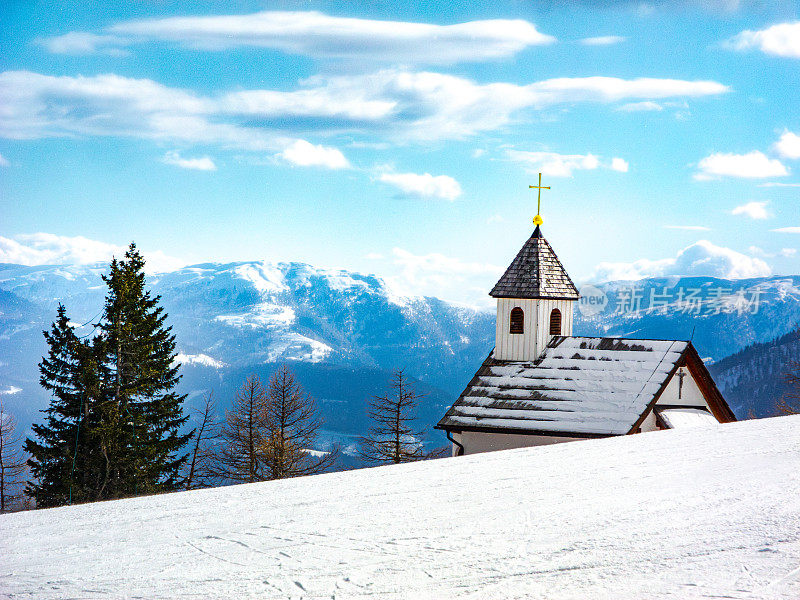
pixel 555 322
pixel 517 320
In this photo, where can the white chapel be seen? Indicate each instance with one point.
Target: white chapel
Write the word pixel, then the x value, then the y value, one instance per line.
pixel 542 385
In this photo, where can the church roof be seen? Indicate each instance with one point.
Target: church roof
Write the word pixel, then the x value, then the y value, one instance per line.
pixel 579 386
pixel 536 272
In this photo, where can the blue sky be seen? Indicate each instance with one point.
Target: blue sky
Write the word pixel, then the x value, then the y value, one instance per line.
pixel 400 140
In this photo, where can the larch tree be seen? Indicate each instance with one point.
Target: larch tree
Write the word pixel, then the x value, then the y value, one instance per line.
pixel 12 462
pixel 241 454
pixel 293 425
pixel 202 468
pixel 392 437
pixel 789 403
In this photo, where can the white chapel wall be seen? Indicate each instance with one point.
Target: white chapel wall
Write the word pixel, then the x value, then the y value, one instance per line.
pixel 475 442
pixel 530 344
pixel 690 394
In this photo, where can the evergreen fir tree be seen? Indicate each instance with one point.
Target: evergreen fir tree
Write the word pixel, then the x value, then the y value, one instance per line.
pixel 142 415
pixel 64 459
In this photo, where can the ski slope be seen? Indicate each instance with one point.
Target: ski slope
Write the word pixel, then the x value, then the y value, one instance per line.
pixel 691 513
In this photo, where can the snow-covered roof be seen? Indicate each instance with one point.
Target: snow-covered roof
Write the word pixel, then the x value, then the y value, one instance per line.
pixel 579 385
pixel 536 272
pixel 681 418
pixel 697 513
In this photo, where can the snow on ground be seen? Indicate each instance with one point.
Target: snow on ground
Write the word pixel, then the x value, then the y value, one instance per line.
pixel 670 514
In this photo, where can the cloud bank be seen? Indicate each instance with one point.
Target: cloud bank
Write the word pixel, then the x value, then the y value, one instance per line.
pixel 50 249
pixel 406 105
pixel 318 35
pixel 701 259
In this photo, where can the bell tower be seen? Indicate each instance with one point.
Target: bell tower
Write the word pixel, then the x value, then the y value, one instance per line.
pixel 535 299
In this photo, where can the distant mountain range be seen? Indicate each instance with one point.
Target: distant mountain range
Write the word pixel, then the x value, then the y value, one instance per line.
pixel 343 332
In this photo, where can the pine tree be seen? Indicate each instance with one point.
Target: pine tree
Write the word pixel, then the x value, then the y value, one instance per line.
pixel 142 415
pixel 65 463
pixel 293 425
pixel 241 455
pixel 392 437
pixel 12 464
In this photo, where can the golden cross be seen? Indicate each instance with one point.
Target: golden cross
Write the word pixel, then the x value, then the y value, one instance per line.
pixel 537 220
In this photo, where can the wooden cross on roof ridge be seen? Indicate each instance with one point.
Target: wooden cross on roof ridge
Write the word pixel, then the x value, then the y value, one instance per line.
pixel 537 220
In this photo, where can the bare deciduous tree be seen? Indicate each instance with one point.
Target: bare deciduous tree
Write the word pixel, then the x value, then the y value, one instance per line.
pixel 392 437
pixel 203 464
pixel 12 462
pixel 293 425
pixel 243 435
pixel 789 404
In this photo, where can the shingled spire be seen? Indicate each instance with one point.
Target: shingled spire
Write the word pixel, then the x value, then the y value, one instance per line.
pixel 536 273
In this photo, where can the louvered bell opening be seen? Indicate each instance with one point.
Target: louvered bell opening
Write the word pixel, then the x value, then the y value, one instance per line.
pixel 517 320
pixel 555 322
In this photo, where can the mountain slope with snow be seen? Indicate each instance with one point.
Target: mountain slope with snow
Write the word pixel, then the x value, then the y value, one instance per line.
pixel 343 331
pixel 669 514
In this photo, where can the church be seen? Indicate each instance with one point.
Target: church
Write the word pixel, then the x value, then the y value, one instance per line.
pixel 542 385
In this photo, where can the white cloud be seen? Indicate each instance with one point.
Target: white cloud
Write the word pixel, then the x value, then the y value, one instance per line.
pixel 754 210
pixel 403 104
pixel 618 164
pixel 788 146
pixel 374 256
pixel 562 165
pixel 701 259
pixel 688 227
pixel 79 42
pixel 603 40
pixel 306 154
pixel 478 152
pixel 495 219
pixel 10 391
pixel 788 252
pixel 203 163
pixel 641 106
pixel 555 165
pixel 787 230
pixel 754 165
pixel 782 39
pixel 424 185
pixel 443 276
pixel 778 184
pixel 50 249
pixel 4 161
pixel 322 36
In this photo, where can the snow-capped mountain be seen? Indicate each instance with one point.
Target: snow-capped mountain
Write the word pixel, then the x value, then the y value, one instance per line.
pixel 343 332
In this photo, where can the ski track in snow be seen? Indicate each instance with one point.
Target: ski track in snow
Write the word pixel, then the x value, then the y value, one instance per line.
pixel 674 514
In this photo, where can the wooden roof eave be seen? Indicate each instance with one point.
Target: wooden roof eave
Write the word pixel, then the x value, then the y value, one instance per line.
pixel 678 364
pixel 714 398
pixel 697 368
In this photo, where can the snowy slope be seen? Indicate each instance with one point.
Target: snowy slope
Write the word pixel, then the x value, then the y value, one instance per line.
pixel 673 514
